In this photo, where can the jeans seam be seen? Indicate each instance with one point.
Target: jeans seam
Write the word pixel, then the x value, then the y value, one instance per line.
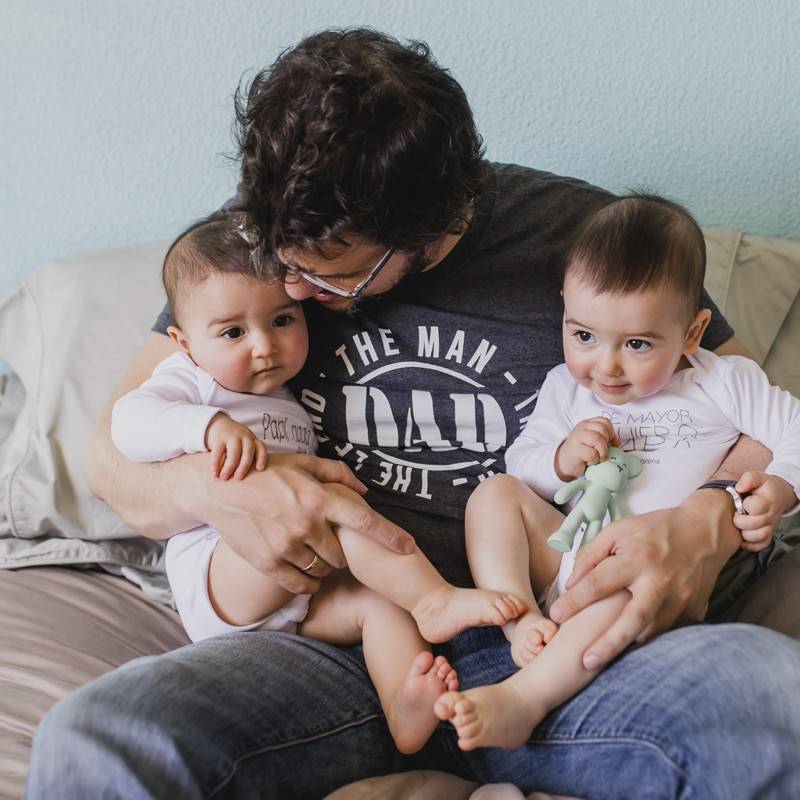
pixel 226 780
pixel 626 740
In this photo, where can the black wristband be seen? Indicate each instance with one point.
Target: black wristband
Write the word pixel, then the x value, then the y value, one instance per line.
pixel 729 487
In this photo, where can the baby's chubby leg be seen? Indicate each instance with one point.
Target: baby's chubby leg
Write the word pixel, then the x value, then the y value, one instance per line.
pixel 440 609
pixel 506 530
pixel 505 714
pixel 406 675
pixel 239 593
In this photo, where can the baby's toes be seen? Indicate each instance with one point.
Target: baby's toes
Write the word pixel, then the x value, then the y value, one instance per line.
pixel 549 630
pixel 446 706
pixel 443 668
pixel 534 639
pixel 515 607
pixel 533 650
pixel 469 727
pixel 526 655
pixel 505 609
pixel 464 708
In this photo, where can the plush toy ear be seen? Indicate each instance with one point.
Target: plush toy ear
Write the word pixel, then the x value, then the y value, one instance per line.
pixel 634 465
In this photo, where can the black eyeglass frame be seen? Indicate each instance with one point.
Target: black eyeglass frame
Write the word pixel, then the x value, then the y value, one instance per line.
pixel 350 294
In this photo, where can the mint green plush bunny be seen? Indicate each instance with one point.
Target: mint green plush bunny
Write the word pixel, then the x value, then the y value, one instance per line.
pixel 598 484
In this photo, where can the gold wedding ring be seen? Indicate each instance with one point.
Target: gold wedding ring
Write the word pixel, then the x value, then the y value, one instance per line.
pixel 310 565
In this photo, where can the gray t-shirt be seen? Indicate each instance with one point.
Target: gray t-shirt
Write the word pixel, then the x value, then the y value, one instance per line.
pixel 422 389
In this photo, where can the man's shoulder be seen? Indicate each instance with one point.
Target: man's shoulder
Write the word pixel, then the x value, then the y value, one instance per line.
pixel 518 179
pixel 545 206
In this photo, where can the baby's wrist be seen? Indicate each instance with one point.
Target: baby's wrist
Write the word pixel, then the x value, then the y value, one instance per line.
pixel 788 498
pixel 565 467
pixel 213 422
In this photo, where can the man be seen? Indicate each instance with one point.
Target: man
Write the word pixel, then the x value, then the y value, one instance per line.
pixel 434 311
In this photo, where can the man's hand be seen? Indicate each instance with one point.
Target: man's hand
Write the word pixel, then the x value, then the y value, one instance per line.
pixel 668 560
pixel 586 444
pixel 770 498
pixel 234 448
pixel 280 519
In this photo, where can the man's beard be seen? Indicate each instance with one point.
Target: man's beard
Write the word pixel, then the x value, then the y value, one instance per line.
pixel 421 260
pixel 418 262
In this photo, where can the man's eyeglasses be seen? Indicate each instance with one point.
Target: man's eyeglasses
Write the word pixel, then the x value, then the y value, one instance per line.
pixel 350 294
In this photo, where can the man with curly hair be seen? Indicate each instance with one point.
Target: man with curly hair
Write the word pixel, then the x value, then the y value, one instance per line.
pixel 366 189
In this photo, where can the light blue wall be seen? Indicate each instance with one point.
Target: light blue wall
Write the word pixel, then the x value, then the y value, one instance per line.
pixel 115 113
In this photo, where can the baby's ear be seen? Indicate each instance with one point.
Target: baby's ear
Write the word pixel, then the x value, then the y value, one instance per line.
pixel 696 331
pixel 179 337
pixel 634 465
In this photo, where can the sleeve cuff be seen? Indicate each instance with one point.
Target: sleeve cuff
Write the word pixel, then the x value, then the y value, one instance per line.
pixel 198 419
pixel 538 471
pixel 789 475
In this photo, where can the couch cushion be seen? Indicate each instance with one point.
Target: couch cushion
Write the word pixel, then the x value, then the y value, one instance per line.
pixel 69 332
pixel 755 281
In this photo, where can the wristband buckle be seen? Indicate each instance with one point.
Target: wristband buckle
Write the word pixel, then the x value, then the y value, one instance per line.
pixel 730 488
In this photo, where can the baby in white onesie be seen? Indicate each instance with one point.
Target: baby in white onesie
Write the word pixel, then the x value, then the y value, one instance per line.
pixel 635 377
pixel 241 338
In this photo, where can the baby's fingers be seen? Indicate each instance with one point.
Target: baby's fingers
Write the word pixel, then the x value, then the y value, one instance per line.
pixel 757 539
pixel 756 504
pixel 233 454
pixel 217 458
pixel 750 481
pixel 604 427
pixel 752 522
pixel 261 455
pixel 245 460
pixel 755 547
pixel 588 454
pixel 596 441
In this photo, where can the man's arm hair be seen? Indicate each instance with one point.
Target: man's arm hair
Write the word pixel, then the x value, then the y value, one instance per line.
pixel 144 495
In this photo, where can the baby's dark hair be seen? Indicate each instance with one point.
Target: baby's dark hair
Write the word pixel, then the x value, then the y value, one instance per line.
pixel 216 243
pixel 641 241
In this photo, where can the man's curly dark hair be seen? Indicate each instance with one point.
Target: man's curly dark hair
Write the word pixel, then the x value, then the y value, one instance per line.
pixel 352 132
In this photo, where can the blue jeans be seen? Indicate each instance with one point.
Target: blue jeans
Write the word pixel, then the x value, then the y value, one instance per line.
pixel 702 712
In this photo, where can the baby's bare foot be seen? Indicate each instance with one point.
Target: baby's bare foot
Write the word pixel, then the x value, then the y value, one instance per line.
pixel 449 610
pixel 411 718
pixel 490 716
pixel 528 635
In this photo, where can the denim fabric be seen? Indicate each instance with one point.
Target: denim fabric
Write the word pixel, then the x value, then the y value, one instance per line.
pixel 702 712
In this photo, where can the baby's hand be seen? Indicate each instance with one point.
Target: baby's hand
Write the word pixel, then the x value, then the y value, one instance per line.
pixel 770 497
pixel 587 444
pixel 234 448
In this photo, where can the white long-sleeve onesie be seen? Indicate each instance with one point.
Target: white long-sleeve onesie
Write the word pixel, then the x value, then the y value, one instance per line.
pixel 681 434
pixel 166 417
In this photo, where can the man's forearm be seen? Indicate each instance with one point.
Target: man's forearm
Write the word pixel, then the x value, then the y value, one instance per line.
pixel 721 538
pixel 725 538
pixel 745 455
pixel 152 498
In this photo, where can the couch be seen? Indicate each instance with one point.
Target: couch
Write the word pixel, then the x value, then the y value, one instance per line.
pixel 80 594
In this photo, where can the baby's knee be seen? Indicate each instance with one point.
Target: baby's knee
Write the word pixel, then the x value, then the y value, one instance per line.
pixel 497 488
